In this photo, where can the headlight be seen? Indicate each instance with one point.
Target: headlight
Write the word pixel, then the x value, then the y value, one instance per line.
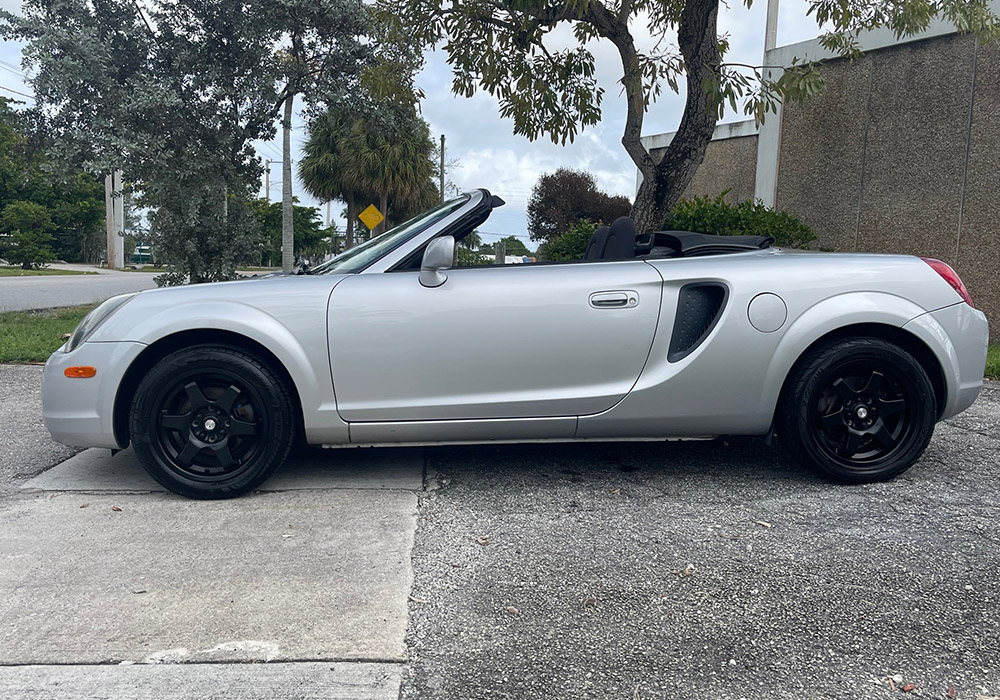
pixel 92 321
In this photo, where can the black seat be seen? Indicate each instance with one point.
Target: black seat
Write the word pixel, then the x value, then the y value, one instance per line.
pixel 621 240
pixel 595 249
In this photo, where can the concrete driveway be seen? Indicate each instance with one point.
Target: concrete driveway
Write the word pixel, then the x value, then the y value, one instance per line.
pixel 622 570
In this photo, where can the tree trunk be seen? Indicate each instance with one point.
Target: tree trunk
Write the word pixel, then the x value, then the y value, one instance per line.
pixel 287 229
pixel 664 182
pixel 697 36
pixel 352 214
pixel 384 206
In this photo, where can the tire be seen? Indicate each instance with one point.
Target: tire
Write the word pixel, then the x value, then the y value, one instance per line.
pixel 211 422
pixel 858 410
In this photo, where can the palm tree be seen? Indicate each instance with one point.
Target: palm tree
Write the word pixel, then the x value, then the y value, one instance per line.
pixel 391 155
pixel 383 156
pixel 322 168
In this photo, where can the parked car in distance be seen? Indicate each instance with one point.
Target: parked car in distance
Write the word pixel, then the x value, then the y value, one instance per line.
pixel 143 254
pixel 850 358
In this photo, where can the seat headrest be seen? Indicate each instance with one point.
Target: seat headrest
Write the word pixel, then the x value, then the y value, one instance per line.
pixel 621 240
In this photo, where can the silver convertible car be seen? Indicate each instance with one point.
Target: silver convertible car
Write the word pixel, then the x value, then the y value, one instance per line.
pixel 850 359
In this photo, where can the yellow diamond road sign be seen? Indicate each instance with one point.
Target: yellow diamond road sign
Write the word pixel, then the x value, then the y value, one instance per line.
pixel 371 217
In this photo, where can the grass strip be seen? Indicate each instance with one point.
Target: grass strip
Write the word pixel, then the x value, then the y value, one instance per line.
pixel 31 336
pixel 11 271
pixel 993 362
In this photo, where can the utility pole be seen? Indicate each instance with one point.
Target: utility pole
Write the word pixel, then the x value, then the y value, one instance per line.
pixel 442 167
pixel 115 218
pixel 267 180
pixel 500 257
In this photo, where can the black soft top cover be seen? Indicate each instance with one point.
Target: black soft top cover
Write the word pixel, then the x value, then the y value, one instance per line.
pixel 687 244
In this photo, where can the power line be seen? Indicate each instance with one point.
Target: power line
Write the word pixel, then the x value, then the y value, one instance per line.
pixel 10 67
pixel 22 94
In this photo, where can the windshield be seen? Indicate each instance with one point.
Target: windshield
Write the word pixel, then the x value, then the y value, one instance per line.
pixel 361 256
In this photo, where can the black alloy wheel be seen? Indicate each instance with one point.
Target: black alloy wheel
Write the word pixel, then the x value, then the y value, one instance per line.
pixel 211 422
pixel 859 410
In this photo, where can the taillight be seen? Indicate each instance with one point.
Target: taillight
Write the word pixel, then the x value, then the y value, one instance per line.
pixel 951 277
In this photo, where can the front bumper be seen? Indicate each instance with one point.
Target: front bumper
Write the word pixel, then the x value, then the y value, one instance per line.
pixel 80 412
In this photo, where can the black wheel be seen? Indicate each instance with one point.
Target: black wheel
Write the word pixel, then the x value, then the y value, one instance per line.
pixel 211 421
pixel 859 410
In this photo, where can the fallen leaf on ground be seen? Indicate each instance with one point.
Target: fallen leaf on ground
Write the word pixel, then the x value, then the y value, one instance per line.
pixel 908 687
pixel 512 610
pixel 116 509
pixel 85 505
pixel 951 693
pixel 687 571
pixel 764 523
pixel 615 492
pixel 416 599
pixel 483 540
pixel 590 602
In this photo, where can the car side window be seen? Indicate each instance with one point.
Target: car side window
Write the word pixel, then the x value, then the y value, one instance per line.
pixel 494 248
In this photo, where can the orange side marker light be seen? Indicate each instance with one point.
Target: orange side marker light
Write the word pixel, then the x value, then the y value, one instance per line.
pixel 80 372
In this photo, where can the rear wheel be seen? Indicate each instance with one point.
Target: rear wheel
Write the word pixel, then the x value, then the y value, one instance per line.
pixel 859 410
pixel 211 421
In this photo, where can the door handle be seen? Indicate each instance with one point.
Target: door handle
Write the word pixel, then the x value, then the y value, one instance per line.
pixel 614 300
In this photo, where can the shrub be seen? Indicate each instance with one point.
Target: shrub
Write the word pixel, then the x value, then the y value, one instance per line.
pixel 28 228
pixel 748 218
pixel 570 245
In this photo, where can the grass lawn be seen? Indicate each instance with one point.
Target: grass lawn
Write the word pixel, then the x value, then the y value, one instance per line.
pixel 31 336
pixel 993 362
pixel 12 271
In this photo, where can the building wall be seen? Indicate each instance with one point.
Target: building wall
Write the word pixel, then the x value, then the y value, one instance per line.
pixel 901 154
pixel 730 164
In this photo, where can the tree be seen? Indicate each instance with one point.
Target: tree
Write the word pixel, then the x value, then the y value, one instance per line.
pixel 566 196
pixel 28 229
pixel 73 199
pixel 514 246
pixel 175 92
pixel 360 154
pixel 311 239
pixel 500 47
pixel 569 246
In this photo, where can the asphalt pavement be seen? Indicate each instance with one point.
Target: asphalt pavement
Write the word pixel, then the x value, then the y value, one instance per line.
pixel 620 570
pixel 48 291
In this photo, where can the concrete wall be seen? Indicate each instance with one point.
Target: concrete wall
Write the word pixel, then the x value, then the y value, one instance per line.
pixel 730 164
pixel 901 153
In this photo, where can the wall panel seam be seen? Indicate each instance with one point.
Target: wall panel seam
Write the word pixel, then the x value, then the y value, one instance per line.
pixel 968 149
pixel 864 150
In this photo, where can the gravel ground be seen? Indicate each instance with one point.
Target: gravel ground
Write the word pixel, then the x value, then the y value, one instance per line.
pixel 25 446
pixel 707 570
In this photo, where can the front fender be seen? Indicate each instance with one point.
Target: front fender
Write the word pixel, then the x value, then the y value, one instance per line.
pixel 298 341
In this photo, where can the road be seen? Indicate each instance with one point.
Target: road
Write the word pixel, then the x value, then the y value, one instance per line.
pixel 698 570
pixel 45 292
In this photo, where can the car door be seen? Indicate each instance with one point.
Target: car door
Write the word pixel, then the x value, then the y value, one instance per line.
pixel 491 342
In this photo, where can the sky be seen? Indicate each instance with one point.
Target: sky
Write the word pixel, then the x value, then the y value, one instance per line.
pixel 482 146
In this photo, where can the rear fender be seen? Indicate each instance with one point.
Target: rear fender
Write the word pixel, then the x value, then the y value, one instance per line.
pixel 832 314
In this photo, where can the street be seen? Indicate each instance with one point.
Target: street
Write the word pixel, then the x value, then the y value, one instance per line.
pixel 619 570
pixel 46 292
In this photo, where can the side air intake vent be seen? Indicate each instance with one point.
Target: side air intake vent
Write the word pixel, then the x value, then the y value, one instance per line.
pixel 699 306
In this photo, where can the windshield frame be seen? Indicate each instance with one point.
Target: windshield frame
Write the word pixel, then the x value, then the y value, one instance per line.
pixel 363 256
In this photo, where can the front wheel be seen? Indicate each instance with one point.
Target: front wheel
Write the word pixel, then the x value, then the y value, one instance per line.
pixel 211 421
pixel 859 410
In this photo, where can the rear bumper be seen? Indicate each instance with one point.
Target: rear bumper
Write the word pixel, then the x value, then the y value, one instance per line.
pixel 959 336
pixel 80 412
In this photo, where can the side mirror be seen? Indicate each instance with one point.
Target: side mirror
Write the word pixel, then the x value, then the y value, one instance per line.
pixel 438 255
